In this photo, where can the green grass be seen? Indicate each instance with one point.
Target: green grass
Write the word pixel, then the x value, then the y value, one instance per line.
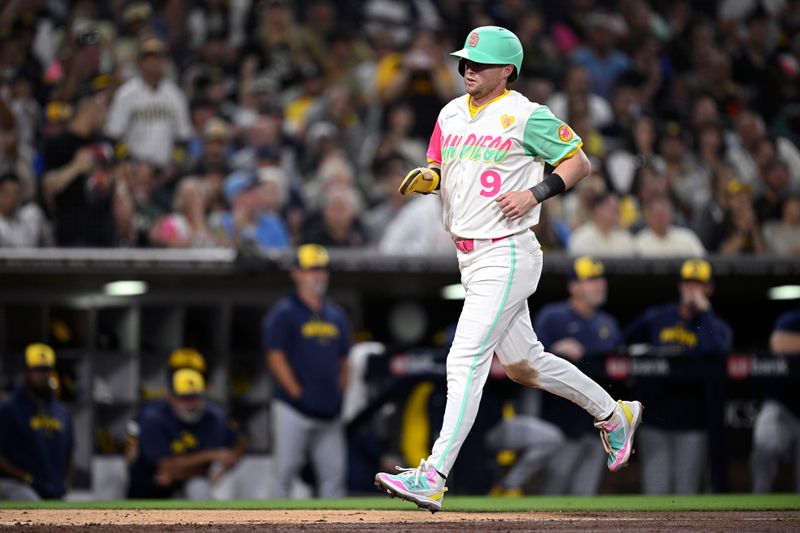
pixel 728 502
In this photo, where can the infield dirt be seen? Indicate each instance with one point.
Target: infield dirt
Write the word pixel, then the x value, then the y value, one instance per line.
pixel 146 521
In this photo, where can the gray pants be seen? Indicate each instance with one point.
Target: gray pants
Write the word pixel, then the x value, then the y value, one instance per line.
pixel 532 438
pixel 196 488
pixel 11 489
pixel 293 435
pixel 776 436
pixel 673 462
pixel 577 468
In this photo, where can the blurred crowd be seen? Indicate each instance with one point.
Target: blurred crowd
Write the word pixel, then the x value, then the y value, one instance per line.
pixel 228 123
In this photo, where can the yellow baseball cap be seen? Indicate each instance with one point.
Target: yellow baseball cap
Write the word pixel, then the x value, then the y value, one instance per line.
pixel 696 270
pixel 585 267
pixel 735 187
pixel 187 358
pixel 188 382
pixel 39 355
pixel 152 45
pixel 312 256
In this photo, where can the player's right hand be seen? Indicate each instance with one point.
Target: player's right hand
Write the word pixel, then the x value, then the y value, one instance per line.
pixel 422 180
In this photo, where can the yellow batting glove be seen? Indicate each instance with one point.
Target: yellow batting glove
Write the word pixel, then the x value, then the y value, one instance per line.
pixel 422 180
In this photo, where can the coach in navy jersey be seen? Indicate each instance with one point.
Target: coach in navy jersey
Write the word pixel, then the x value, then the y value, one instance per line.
pixel 36 437
pixel 776 431
pixel 673 444
pixel 574 329
pixel 306 340
pixel 180 439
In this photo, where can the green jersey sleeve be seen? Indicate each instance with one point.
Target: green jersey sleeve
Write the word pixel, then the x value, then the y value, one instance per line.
pixel 548 137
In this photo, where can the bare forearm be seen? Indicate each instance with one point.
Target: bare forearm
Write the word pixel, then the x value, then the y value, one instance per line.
pixel 57 180
pixel 574 169
pixel 785 342
pixel 185 466
pixel 344 374
pixel 280 369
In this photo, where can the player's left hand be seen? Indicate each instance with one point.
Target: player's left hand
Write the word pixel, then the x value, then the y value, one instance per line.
pixel 516 204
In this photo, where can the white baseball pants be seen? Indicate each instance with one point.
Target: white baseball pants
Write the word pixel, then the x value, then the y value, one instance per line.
pixel 498 278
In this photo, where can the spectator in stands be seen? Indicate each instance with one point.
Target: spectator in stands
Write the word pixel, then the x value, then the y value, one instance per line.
pixel 711 221
pixel 21 225
pixel 661 238
pixel 389 173
pixel 337 223
pixel 774 191
pixel 36 433
pixel 751 130
pixel 648 183
pixel 641 150
pixel 602 235
pixel 215 145
pixel 135 208
pixel 417 230
pixel 673 444
pixel 551 231
pixel 395 138
pixel 261 131
pixel 576 82
pixel 783 237
pixel 689 182
pixel 421 77
pixel 244 224
pixel 600 55
pixel 626 105
pixel 150 114
pixel 577 204
pixel 306 340
pixel 77 186
pixel 187 225
pixel 576 329
pixel 776 432
pixel 272 193
pixel 213 178
pixel 275 46
pixel 185 444
pixel 312 87
pixel 742 234
pixel 338 108
pixel 16 157
pixel 578 114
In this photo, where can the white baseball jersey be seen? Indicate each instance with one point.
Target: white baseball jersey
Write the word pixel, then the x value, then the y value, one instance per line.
pixel 149 120
pixel 502 148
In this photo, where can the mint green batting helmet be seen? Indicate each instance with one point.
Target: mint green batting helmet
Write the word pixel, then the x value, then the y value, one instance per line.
pixel 492 45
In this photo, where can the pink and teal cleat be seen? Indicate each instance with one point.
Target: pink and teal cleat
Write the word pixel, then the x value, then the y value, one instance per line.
pixel 617 433
pixel 422 485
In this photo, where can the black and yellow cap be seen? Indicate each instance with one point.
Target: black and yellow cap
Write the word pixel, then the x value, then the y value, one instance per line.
pixel 310 256
pixel 188 382
pixel 187 358
pixel 584 268
pixel 696 270
pixel 39 355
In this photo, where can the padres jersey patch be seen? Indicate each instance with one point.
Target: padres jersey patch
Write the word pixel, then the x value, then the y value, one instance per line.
pixel 565 133
pixel 507 121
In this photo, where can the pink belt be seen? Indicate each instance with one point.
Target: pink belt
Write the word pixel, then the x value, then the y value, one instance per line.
pixel 468 245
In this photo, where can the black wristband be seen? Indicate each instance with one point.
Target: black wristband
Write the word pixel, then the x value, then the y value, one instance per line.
pixel 438 172
pixel 548 187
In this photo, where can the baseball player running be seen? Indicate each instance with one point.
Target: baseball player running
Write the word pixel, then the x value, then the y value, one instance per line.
pixel 486 158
